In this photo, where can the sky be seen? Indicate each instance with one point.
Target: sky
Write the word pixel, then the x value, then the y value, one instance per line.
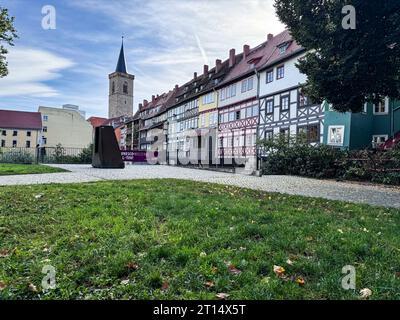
pixel 165 42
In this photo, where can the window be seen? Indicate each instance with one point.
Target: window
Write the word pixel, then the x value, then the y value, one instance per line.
pixel 4 133
pixel 336 135
pixel 255 111
pixel 45 118
pixel 237 115
pixel 203 120
pixel 44 140
pixel 377 140
pixel 283 48
pixel 113 87
pixel 208 98
pixel 228 92
pixel 3 143
pixel 247 84
pixel 28 133
pixel 303 100
pixel 27 144
pixel 44 129
pixel 14 143
pixel 280 72
pixel 268 135
pixel 231 116
pixel 310 132
pixel 382 107
pixel 15 133
pixel 125 87
pixel 269 106
pixel 270 76
pixel 285 101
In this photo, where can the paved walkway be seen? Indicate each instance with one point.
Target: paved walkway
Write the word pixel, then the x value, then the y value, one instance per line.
pixel 352 192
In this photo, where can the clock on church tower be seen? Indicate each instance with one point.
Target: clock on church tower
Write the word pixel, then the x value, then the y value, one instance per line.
pixel 120 102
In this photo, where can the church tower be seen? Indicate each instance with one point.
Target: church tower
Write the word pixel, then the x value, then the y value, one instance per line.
pixel 120 101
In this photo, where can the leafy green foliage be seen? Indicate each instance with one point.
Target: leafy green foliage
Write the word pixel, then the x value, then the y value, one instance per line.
pixel 16 156
pixel 7 36
pixel 346 67
pixel 171 239
pixel 295 156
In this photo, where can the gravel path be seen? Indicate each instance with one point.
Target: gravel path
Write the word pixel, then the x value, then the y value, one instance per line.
pixel 352 192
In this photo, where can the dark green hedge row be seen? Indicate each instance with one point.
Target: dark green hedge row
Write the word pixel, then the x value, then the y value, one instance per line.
pixel 295 156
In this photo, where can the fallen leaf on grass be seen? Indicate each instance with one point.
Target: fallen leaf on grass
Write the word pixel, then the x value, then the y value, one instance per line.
pixel 300 281
pixel 289 262
pixel 32 287
pixel 232 269
pixel 132 266
pixel 4 253
pixel 165 286
pixel 222 296
pixel 38 196
pixel 125 282
pixel 209 284
pixel 279 271
pixel 365 293
pixel 2 285
pixel 214 270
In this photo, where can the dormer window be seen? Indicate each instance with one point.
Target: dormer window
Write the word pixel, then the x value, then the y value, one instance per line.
pixel 282 48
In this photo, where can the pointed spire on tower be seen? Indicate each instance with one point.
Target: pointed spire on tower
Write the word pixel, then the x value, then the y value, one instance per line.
pixel 121 65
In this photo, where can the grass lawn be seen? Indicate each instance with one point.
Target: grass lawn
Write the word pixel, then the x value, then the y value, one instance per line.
pixel 14 169
pixel 166 239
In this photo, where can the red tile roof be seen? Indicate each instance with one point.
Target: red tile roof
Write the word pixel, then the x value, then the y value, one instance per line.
pixel 264 55
pixel 96 121
pixel 20 120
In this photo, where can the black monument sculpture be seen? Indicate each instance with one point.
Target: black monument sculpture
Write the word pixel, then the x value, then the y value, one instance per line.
pixel 106 153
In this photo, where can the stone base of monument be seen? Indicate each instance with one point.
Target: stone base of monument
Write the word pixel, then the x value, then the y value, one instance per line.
pixel 106 152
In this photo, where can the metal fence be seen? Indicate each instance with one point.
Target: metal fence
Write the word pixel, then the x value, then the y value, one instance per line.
pixel 57 154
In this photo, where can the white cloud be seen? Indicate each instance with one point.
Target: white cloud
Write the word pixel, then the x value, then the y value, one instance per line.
pixel 172 30
pixel 29 70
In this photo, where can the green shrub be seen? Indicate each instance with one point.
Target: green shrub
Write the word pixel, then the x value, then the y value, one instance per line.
pixel 16 156
pixel 295 156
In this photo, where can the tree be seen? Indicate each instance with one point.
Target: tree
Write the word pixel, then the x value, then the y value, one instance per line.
pixel 7 35
pixel 346 67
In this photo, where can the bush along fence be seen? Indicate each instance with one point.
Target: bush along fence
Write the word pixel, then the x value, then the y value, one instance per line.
pixel 295 156
pixel 57 154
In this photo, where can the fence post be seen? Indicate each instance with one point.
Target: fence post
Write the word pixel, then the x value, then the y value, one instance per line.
pixel 37 155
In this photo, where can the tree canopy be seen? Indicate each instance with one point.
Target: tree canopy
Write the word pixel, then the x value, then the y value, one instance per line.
pixel 346 67
pixel 7 35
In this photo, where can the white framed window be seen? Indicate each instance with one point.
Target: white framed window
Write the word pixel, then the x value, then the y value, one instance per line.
pixel 208 98
pixel 336 135
pixel 269 106
pixel 247 84
pixel 379 139
pixel 270 76
pixel 280 72
pixel 382 108
pixel 45 118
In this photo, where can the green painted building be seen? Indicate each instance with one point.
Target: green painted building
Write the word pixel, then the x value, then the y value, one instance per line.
pixel 375 125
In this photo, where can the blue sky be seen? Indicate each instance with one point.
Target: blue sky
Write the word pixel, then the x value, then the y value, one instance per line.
pixel 165 42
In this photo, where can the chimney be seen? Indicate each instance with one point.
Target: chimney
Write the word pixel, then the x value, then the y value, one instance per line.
pixel 195 75
pixel 270 36
pixel 145 102
pixel 246 51
pixel 176 87
pixel 140 106
pixel 205 69
pixel 153 98
pixel 218 65
pixel 232 58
